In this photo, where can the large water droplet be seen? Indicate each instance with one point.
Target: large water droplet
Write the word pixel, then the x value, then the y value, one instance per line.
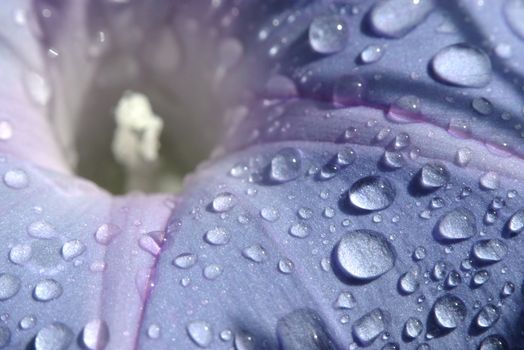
pixel 299 230
pixel 72 249
pixel 328 34
pixel 396 18
pixel 47 290
pixel 372 193
pixel 514 13
pixel 367 328
pixel 56 336
pixel 286 165
pixel 16 178
pixel 489 250
pixel 449 311
pixel 456 225
pixel 462 65
pixel 218 236
pixel 20 254
pixel 200 333
pixel 364 254
pixel 303 330
pixel 95 335
pixel 9 286
pixel 433 176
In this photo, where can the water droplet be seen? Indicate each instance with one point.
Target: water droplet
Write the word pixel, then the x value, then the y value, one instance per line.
pixel 270 214
pixel 27 322
pixel 453 279
pixel 456 225
pixel 419 253
pixel 303 329
pixel 244 341
pixel 349 90
pixel 364 254
pixel 393 160
pixel 37 88
pixel 223 202
pixel 47 290
pixel 433 176
pixel 153 331
pixel 185 260
pixel 152 242
pixel 489 250
pixel 255 253
pixel 218 236
pixel 515 223
pixel 396 18
pixel 56 336
pixel 460 128
pixel 95 335
pixel 72 249
pixel 212 271
pixel 16 179
pixel 514 12
pixel 106 233
pixel 490 181
pixel 9 286
pixel 20 254
pixel 507 289
pixel 345 301
pixel 299 230
pixel 372 193
pixel 226 335
pixel 494 342
pixel 371 54
pixel 408 282
pixel 405 110
pixel 286 165
pixel 286 266
pixel 41 229
pixel 328 34
pixel 200 333
pixel 413 328
pixel 449 311
pixel 487 316
pixel 367 328
pixel 482 105
pixel 480 277
pixel 391 346
pixel 463 156
pixel 462 65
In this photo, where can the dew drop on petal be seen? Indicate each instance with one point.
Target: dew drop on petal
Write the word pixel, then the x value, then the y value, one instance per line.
pixel 41 229
pixel 47 290
pixel 16 179
pixel 303 329
pixel 299 230
pixel 462 65
pixel 456 225
pixel 72 249
pixel 9 286
pixel 212 271
pixel 217 236
pixel 255 253
pixel 106 233
pixel 6 130
pixel 345 301
pixel 95 334
pixel 367 328
pixel 516 222
pixel 463 156
pixel 396 18
pixel 482 105
pixel 489 250
pixel 494 342
pixel 413 328
pixel 20 254
pixel 372 193
pixel 490 181
pixel 27 322
pixel 349 90
pixel 328 34
pixel 56 336
pixel 37 88
pixel 269 214
pixel 286 266
pixel 449 311
pixel 487 316
pixel 286 165
pixel 371 54
pixel 200 333
pixel 223 202
pixel 433 176
pixel 364 254
pixel 185 260
pixel 409 281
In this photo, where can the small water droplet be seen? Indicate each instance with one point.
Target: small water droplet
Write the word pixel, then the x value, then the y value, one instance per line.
pixel 328 34
pixel 408 282
pixel 367 328
pixel 371 54
pixel 462 65
pixel 449 311
pixel 20 254
pixel 286 266
pixel 37 88
pixel 480 277
pixel 9 286
pixel 396 18
pixel 41 229
pixel 490 181
pixel 153 331
pixel 255 253
pixel 223 202
pixel 72 249
pixel 270 214
pixel 345 301
pixel 433 176
pixel 482 105
pixel 487 316
pixel 299 230
pixel 217 236
pixel 106 233
pixel 27 322
pixel 213 271
pixel 507 289
pixel 16 179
